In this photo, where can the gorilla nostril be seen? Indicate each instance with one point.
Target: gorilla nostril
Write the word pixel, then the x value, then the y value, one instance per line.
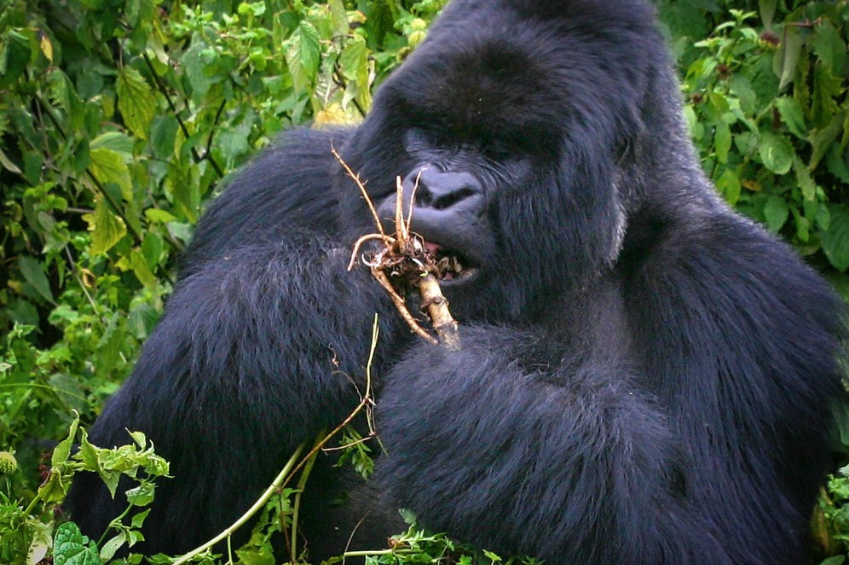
pixel 442 190
pixel 450 199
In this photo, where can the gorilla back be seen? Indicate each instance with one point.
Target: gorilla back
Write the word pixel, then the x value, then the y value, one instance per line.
pixel 645 377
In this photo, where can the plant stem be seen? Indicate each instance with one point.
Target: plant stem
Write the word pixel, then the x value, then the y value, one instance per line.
pixel 283 475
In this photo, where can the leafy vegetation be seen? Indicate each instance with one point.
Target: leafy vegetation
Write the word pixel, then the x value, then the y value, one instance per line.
pixel 119 119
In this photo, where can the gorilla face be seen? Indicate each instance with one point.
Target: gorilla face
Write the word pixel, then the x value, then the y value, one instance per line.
pixel 513 133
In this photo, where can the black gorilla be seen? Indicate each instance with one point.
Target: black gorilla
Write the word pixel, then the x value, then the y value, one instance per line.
pixel 645 376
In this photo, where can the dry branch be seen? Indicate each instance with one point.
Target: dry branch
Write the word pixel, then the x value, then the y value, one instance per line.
pixel 405 261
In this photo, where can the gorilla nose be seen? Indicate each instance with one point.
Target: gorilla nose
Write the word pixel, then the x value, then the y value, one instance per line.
pixel 444 190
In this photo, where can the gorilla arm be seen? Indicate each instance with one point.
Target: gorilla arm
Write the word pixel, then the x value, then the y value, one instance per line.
pixel 259 349
pixel 535 459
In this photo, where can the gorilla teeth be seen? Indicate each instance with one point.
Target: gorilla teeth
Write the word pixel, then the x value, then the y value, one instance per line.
pixel 448 266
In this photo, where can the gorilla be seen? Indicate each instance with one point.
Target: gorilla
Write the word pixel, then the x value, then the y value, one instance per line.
pixel 645 377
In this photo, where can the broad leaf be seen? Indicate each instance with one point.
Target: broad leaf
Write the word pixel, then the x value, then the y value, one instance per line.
pixel 106 228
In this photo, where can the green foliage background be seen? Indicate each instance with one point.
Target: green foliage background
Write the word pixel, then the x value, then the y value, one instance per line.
pixel 120 119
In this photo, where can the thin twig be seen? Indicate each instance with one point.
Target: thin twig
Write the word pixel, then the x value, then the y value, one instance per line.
pixel 285 473
pixel 385 238
pixel 362 187
pixel 161 86
pixel 401 305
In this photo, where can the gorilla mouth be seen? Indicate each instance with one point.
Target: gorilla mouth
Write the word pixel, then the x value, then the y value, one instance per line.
pixel 451 267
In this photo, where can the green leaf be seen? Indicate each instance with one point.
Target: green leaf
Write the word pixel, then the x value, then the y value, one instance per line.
pixel 729 186
pixel 108 166
pixel 142 270
pixel 193 62
pixel 163 134
pixel 33 272
pixel 8 164
pixel 106 228
pixel 835 241
pixel 112 546
pixel 804 180
pixel 822 139
pixel 155 215
pixel 71 547
pixel 826 88
pixel 15 53
pixel 767 10
pixel 837 164
pixel 741 86
pixel 304 55
pixel 255 9
pixel 64 94
pixel 136 101
pixel 338 18
pixel 722 141
pixel 776 152
pixel 117 141
pixel 829 46
pixel 776 213
pixel 792 115
pixel 63 450
pixel 787 57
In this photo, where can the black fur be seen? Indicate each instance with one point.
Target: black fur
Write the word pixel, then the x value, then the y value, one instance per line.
pixel 645 376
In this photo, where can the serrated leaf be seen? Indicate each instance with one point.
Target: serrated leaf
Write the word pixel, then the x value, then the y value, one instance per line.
pixel 304 55
pixel 835 241
pixel 163 134
pixel 354 60
pixel 108 166
pixel 106 228
pixel 776 152
pixel 193 62
pixel 822 139
pixel 776 213
pixel 804 180
pixel 826 88
pixel 136 101
pixel 338 18
pixel 787 56
pixel 792 115
pixel 33 272
pixel 829 46
pixel 71 547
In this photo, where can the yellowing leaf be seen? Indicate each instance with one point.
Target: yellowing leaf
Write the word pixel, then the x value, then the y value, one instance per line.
pixel 135 101
pixel 46 47
pixel 108 166
pixel 106 228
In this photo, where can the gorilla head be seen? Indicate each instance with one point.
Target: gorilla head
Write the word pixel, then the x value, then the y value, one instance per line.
pixel 516 119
